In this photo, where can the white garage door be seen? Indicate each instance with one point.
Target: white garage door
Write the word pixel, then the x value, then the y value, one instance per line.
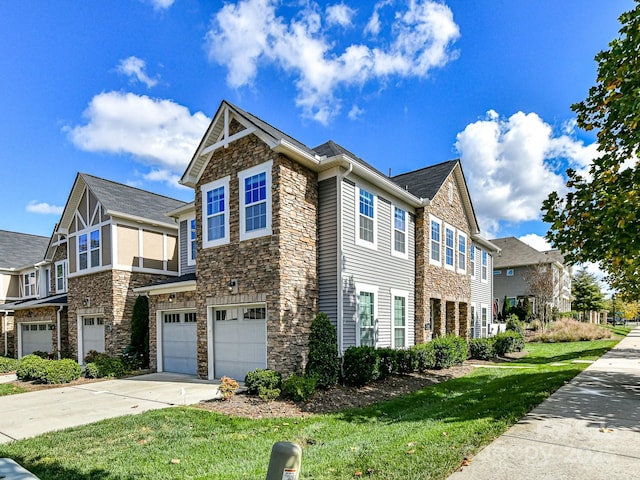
pixel 92 334
pixel 179 342
pixel 36 337
pixel 240 341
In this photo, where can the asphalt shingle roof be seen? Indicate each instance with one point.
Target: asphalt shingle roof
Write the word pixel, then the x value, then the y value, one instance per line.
pixel 516 253
pixel 120 198
pixel 21 249
pixel 425 182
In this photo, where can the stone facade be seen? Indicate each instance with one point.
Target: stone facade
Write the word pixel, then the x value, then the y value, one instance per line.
pixel 280 268
pixel 444 291
pixel 108 294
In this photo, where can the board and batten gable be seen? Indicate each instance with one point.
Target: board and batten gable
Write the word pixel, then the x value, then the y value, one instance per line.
pixel 375 268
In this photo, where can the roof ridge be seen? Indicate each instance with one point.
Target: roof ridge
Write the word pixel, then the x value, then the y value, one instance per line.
pixel 131 187
pixel 23 233
pixel 455 160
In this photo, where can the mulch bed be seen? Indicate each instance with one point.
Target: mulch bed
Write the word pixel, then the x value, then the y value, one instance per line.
pixel 334 399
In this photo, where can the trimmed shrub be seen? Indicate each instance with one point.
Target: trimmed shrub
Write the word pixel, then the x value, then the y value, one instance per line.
pixel 425 356
pixel 508 342
pixel 268 394
pixel 111 367
pixel 299 388
pixel 515 325
pixel 449 351
pixel 139 347
pixel 481 348
pixel 60 371
pixel 31 367
pixel 388 362
pixel 261 378
pixel 406 361
pixel 228 387
pixel 360 365
pixel 8 364
pixel 324 361
pixel 42 354
pixel 132 359
pixel 93 356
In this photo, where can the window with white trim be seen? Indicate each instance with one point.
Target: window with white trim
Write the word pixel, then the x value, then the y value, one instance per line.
pixel 462 252
pixel 29 284
pixel 509 272
pixel 472 260
pixel 191 236
pixel 366 311
pixel 215 213
pixel 367 219
pixel 449 242
pixel 89 250
pixel 484 266
pixel 399 311
pixel 436 241
pixel 255 201
pixel 484 315
pixel 399 229
pixel 61 269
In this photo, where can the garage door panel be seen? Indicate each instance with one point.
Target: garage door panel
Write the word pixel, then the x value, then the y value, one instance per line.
pixel 36 338
pixel 239 347
pixel 179 343
pixel 92 334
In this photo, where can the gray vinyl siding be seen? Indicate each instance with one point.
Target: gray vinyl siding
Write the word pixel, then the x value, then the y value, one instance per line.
pixel 512 286
pixel 481 293
pixel 379 268
pixel 184 249
pixel 328 248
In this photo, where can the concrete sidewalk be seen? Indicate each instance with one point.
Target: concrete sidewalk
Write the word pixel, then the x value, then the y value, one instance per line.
pixel 588 430
pixel 30 414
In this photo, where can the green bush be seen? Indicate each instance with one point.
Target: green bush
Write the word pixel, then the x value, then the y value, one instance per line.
pixel 425 356
pixel 388 362
pixel 106 366
pixel 8 364
pixel 324 361
pixel 406 361
pixel 60 371
pixel 515 325
pixel 32 367
pixel 508 342
pixel 299 388
pixel 41 354
pixel 138 350
pixel 360 365
pixel 449 351
pixel 261 378
pixel 268 394
pixel 481 348
pixel 93 356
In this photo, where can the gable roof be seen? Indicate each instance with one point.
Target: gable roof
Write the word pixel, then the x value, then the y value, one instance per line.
pixel 20 250
pixel 516 253
pixel 120 201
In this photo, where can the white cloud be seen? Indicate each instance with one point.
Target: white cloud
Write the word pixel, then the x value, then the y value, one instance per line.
pixel 536 241
pixel 355 112
pixel 249 34
pixel 157 132
pixel 340 14
pixel 43 208
pixel 166 176
pixel 512 164
pixel 134 68
pixel 161 4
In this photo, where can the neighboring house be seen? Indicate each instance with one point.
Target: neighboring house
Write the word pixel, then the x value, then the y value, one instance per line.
pixel 513 275
pixel 484 306
pixel 279 231
pixel 21 280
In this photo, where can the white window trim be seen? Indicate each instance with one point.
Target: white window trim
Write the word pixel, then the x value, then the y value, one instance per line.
pixel 190 259
pixel 484 266
pixel 439 262
pixel 90 266
pixel 472 263
pixel 455 249
pixel 364 243
pixel 462 269
pixel 222 182
pixel 263 167
pixel 404 294
pixel 363 288
pixel 394 252
pixel 65 273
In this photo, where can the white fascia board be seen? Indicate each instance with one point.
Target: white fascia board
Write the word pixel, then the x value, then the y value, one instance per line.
pixel 480 240
pixel 182 211
pixel 134 218
pixel 177 287
pixel 297 153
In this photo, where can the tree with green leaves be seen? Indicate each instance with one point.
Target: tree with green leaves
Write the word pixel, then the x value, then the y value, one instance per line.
pixel 587 296
pixel 599 218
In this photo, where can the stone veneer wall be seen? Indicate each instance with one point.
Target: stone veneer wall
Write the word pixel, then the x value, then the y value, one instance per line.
pixel 45 314
pixel 436 281
pixel 182 301
pixel 279 269
pixel 110 296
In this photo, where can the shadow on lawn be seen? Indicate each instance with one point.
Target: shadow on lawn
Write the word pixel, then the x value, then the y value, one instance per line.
pixel 594 352
pixel 55 471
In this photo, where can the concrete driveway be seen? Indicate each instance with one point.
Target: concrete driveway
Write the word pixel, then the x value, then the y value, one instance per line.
pixel 30 414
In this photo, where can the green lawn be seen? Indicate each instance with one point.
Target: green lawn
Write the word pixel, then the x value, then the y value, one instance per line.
pixel 422 435
pixel 7 389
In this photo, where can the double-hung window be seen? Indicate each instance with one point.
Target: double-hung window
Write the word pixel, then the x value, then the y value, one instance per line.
pixel 215 216
pixel 89 250
pixel 449 242
pixel 29 284
pixel 399 306
pixel 192 241
pixel 61 276
pixel 255 201
pixel 399 240
pixel 462 252
pixel 484 266
pixel 366 300
pixel 472 260
pixel 366 213
pixel 436 241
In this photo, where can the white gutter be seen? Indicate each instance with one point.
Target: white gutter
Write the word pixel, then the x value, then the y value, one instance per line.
pixel 58 329
pixel 340 318
pixel 143 220
pixel 177 287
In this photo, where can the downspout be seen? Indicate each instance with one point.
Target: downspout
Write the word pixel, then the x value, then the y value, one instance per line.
pixel 58 329
pixel 341 176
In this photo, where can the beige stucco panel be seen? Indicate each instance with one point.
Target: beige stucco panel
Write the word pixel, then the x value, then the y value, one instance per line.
pixel 153 248
pixel 128 248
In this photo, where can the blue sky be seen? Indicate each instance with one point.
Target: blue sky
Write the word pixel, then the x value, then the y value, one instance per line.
pixel 124 90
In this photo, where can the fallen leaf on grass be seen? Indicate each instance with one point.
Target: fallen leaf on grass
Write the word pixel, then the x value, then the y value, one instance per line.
pixel 175 461
pixel 445 434
pixel 411 452
pixel 358 473
pixel 465 463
